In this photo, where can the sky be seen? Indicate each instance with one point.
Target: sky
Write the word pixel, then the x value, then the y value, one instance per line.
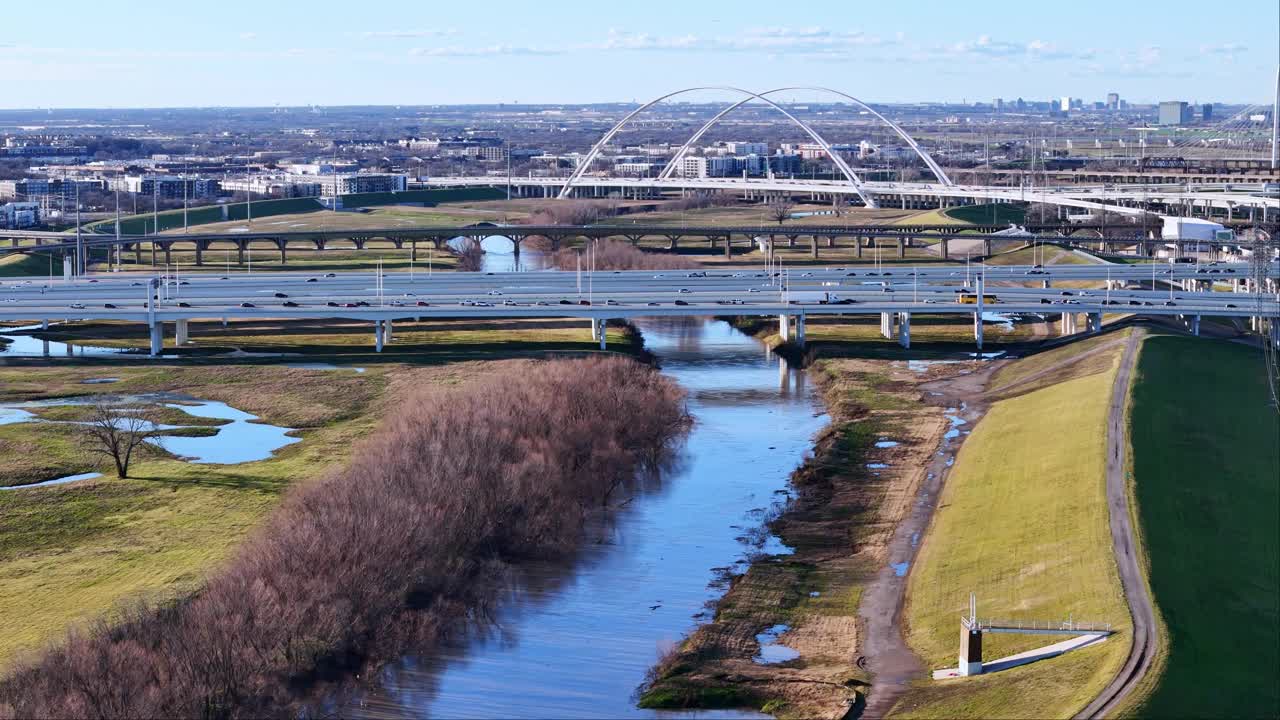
pixel 78 53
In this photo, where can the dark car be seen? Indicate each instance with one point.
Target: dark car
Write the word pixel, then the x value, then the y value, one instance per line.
pixel 584 302
pixel 423 303
pixel 1134 302
pixel 681 302
pixel 312 280
pixel 281 295
pixel 1046 301
pixel 109 306
pixel 184 304
pixel 332 304
pixel 247 305
pixel 566 302
pixel 290 303
pixel 361 303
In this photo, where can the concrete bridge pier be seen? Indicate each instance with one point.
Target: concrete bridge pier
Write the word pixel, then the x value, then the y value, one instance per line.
pixel 1068 323
pixel 44 324
pixel 784 327
pixel 180 336
pixel 377 336
pixel 887 325
pixel 977 329
pixel 946 252
pixel 902 247
pixel 904 329
pixel 199 253
pixel 1046 284
pixel 239 253
pixel 386 331
pixel 813 246
pixel 601 332
pixel 800 330
pixel 157 337
pixel 595 329
pixel 1094 322
pixel 168 253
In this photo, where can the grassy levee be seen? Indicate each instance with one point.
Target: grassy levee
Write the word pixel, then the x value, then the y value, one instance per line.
pixel 1022 521
pixel 34 264
pixel 1209 508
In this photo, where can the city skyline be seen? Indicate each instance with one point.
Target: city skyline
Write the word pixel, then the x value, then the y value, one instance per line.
pixel 264 55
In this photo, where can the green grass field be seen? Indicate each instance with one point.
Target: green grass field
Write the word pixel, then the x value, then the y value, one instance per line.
pixel 1022 522
pixel 1206 464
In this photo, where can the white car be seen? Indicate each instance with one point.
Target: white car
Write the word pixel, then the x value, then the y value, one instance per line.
pixel 495 293
pixel 76 306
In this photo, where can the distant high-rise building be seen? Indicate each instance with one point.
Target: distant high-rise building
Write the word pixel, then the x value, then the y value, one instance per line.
pixel 1065 104
pixel 997 104
pixel 1113 101
pixel 1206 112
pixel 1174 112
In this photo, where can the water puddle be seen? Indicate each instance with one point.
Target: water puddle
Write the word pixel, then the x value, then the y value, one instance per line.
pixel 238 441
pixel 771 651
pixel 322 366
pixel 900 569
pixel 887 443
pixel 55 481
pixel 877 466
pixel 99 381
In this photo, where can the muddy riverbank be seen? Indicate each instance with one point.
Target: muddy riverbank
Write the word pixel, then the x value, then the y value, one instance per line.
pixel 859 507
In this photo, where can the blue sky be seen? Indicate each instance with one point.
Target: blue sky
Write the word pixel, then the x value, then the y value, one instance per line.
pixel 287 52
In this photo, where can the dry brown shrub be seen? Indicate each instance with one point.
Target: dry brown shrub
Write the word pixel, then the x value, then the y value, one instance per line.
pixel 401 548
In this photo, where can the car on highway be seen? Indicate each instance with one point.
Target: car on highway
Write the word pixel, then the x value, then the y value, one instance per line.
pixel 566 302
pixel 1170 303
pixel 653 304
pixel 109 306
pixel 332 304
pixel 611 302
pixel 331 275
pixel 681 302
pixel 584 302
pixel 184 304
pixel 423 303
pixel 542 303
pixel 290 303
pixel 494 293
pixel 510 303
pixel 1231 306
pixel 281 295
pixel 1067 293
pixel 753 290
pixel 247 305
pixel 1135 302
pixel 362 303
pixel 1043 301
pixel 685 290
pixel 697 274
pixel 312 280
pixel 76 306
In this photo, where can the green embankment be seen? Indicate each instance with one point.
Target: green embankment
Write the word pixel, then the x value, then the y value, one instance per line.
pixel 999 213
pixel 30 265
pixel 1022 522
pixel 172 219
pixel 1206 464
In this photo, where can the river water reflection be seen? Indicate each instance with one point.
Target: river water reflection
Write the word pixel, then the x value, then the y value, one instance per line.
pixel 576 642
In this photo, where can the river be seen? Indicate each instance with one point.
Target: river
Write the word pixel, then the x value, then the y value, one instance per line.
pixel 576 642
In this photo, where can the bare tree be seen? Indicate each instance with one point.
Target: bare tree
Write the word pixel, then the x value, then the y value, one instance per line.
pixel 780 209
pixel 115 432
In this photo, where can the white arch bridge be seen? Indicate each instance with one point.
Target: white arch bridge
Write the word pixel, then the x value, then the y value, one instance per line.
pixel 1235 200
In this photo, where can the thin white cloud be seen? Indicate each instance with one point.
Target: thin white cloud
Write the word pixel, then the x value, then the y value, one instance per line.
pixel 248 36
pixel 407 34
pixel 482 51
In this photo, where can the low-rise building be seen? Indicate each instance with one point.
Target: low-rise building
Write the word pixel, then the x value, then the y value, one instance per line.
pixel 17 215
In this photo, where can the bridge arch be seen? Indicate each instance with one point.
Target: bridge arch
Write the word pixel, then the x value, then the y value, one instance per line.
pixel 844 168
pixel 684 149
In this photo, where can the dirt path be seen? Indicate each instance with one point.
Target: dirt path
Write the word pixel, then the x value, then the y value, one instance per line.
pixel 1143 648
pixel 892 663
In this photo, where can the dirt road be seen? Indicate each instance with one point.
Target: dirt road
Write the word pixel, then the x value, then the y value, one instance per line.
pixel 1143 648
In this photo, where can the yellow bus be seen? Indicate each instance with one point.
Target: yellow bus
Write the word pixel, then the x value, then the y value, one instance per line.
pixel 972 299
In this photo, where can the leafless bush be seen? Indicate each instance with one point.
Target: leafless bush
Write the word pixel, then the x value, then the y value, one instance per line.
pixel 470 255
pixel 573 212
pixel 400 548
pixel 616 255
pixel 697 202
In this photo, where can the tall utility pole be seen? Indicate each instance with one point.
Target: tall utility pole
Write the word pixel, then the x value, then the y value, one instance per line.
pixel 1275 125
pixel 248 197
pixel 184 200
pixel 155 206
pixel 79 241
pixel 117 228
